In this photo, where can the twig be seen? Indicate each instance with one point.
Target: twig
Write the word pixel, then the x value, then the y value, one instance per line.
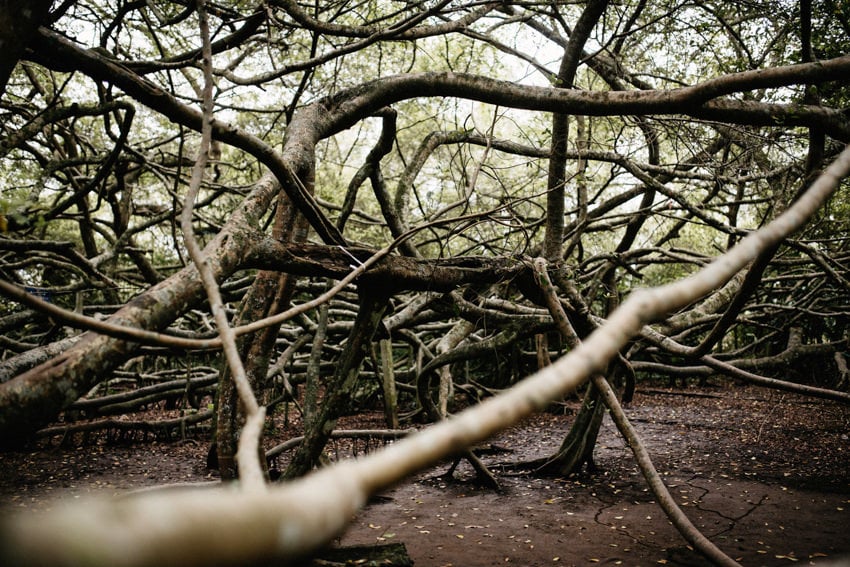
pixel 250 470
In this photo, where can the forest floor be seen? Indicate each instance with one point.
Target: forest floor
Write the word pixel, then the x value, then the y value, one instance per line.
pixel 765 475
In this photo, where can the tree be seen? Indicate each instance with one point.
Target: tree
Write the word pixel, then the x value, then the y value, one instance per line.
pixel 490 134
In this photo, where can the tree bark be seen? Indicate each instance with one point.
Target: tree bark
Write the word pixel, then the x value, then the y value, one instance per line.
pixel 556 179
pixel 341 385
pixel 270 294
pixel 388 384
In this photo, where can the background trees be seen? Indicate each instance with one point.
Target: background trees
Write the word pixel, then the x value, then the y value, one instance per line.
pixel 424 153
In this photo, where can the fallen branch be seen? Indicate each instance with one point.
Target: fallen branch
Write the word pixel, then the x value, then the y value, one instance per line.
pixel 159 426
pixel 134 399
pixel 730 369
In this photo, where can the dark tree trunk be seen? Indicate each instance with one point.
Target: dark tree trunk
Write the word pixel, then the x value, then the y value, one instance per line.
pixel 577 447
pixel 341 386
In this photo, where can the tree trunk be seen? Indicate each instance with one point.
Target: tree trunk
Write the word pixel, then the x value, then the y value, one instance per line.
pixel 388 382
pixel 577 447
pixel 556 179
pixel 312 382
pixel 341 386
pixel 270 294
pixel 461 330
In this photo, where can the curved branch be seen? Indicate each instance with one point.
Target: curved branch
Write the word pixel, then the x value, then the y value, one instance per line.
pixel 700 101
pixel 404 30
pixel 290 521
pixel 59 53
pixel 376 268
pixel 738 368
pixel 662 495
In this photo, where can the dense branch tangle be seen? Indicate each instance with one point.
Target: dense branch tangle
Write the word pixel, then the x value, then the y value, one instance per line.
pixel 380 173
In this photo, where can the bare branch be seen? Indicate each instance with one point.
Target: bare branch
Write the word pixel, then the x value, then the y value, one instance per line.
pixel 297 518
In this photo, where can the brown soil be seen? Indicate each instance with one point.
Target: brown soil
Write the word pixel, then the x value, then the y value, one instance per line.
pixel 765 475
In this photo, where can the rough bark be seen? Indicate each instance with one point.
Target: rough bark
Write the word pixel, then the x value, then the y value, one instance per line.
pixel 576 450
pixel 341 384
pixel 392 273
pixel 556 179
pixel 388 385
pixel 270 294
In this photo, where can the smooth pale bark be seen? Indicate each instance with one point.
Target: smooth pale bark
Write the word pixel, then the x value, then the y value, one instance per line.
pixel 450 340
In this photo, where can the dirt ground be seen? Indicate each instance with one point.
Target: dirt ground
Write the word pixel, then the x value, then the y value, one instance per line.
pixel 765 475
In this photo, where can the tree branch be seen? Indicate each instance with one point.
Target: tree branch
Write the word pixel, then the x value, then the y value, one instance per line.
pixel 288 522
pixel 688 530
